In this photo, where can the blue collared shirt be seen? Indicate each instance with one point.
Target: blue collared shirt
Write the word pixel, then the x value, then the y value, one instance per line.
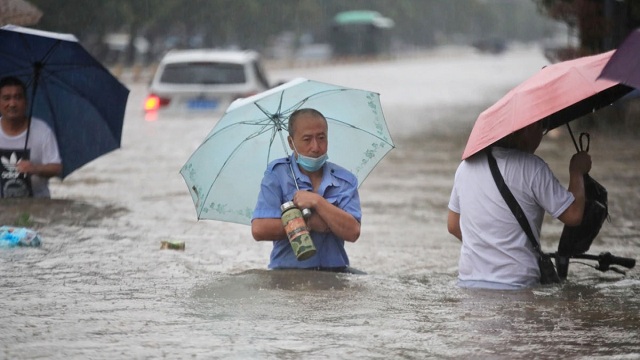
pixel 338 186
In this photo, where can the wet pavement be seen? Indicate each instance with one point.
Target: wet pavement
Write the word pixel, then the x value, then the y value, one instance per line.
pixel 100 287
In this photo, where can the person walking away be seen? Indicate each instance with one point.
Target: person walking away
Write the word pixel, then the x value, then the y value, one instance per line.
pixel 496 252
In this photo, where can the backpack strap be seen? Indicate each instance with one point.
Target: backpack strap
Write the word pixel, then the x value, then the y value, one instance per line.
pixel 511 200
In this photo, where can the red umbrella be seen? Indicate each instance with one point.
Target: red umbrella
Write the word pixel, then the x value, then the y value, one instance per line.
pixel 560 93
pixel 624 65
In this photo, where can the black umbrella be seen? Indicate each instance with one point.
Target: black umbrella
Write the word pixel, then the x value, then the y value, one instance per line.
pixel 79 98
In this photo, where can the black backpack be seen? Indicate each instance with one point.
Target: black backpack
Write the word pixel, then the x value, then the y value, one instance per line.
pixel 576 240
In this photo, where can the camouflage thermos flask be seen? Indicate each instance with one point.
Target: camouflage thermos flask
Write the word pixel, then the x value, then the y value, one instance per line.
pixel 297 231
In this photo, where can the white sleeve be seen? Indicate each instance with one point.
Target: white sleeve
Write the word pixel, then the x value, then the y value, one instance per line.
pixel 550 194
pixel 454 200
pixel 50 151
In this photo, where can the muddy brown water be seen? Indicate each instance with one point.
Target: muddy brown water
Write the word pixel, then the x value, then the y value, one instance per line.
pixel 100 287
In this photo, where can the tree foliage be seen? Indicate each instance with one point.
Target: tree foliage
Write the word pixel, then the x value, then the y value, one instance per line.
pixel 256 23
pixel 600 24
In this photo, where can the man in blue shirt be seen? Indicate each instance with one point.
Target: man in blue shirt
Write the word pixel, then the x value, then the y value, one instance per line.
pixel 328 190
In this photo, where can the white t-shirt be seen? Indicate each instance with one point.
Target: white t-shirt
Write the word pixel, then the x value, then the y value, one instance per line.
pixel 496 252
pixel 43 150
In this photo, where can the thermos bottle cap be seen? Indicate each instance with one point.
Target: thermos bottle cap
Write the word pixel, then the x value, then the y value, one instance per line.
pixel 286 206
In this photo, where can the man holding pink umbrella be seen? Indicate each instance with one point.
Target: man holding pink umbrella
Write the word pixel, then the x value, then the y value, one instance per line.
pixel 502 190
pixel 496 252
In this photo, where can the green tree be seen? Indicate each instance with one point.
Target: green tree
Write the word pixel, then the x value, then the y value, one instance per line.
pixel 254 23
pixel 601 24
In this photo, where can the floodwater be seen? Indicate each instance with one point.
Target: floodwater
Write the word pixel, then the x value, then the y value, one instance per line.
pixel 100 287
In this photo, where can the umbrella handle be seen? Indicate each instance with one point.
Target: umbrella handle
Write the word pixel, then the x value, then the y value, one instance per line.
pixel 583 135
pixel 573 138
pixel 588 137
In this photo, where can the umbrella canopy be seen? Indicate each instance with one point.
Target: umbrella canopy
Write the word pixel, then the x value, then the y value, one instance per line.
pixel 67 88
pixel 224 173
pixel 18 12
pixel 624 65
pixel 560 93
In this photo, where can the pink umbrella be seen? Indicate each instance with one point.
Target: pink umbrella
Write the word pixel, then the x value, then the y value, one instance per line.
pixel 558 93
pixel 624 65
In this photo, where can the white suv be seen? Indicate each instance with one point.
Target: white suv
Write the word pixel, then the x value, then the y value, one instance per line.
pixel 204 81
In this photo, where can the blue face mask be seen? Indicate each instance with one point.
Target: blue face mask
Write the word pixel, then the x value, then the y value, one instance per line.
pixel 311 164
pixel 308 163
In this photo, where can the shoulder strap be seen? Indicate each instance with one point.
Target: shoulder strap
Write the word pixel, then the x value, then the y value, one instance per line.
pixel 510 199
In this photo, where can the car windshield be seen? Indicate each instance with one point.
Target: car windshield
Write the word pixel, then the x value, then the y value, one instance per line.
pixel 203 73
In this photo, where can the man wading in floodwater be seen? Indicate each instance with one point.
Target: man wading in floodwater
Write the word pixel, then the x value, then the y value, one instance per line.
pixel 496 252
pixel 25 169
pixel 328 190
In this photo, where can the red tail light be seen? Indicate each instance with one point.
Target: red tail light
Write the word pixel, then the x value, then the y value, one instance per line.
pixel 154 102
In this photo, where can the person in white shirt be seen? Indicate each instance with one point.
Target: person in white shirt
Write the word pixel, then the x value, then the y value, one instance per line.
pixel 495 251
pixel 24 173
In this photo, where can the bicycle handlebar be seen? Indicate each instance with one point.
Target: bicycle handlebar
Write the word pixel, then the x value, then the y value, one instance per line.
pixel 605 260
pixel 626 262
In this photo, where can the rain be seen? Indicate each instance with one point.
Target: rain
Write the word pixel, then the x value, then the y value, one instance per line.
pixel 101 285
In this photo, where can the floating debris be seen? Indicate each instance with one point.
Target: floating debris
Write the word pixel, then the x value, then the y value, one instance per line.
pixel 172 245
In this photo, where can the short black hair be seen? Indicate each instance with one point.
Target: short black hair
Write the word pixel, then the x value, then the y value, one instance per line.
pixel 294 116
pixel 13 81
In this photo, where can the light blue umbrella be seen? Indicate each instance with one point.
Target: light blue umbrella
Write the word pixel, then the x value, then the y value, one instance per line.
pixel 224 173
